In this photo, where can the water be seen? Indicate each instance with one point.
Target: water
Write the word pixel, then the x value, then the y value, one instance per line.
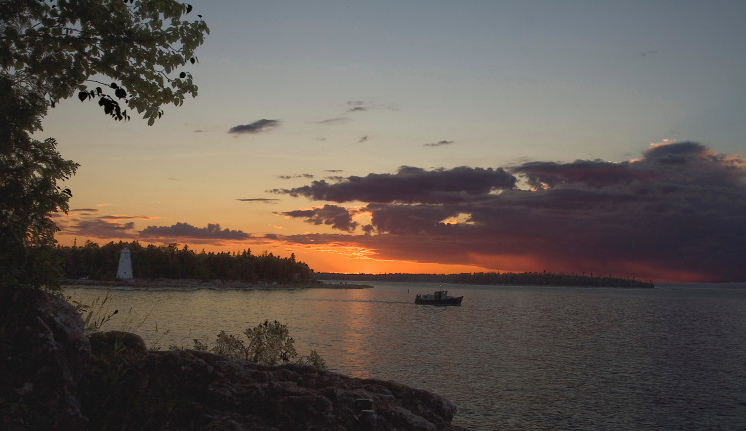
pixel 510 358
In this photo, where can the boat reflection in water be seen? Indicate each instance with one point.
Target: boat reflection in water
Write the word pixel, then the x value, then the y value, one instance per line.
pixel 440 297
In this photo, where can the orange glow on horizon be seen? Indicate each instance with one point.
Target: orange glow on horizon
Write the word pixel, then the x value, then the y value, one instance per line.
pixel 349 259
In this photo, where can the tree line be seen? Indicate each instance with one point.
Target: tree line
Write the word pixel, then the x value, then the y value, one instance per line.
pixel 174 262
pixel 498 278
pixel 129 57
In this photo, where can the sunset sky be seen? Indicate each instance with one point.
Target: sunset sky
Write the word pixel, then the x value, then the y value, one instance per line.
pixel 439 136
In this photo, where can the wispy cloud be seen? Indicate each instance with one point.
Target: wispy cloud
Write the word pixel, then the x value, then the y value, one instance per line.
pixel 259 126
pixel 290 177
pixel 439 143
pixel 260 200
pixel 335 121
pixel 356 106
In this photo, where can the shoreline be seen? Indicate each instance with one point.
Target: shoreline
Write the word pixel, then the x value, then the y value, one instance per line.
pixel 181 284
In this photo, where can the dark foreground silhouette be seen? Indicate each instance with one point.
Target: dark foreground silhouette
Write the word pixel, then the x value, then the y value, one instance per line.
pixel 54 377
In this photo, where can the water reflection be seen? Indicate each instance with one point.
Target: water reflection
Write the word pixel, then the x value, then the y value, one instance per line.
pixel 510 357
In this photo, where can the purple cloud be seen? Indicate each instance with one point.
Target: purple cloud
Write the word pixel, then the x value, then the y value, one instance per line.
pixel 677 213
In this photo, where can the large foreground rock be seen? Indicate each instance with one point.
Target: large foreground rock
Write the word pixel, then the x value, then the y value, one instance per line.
pixel 115 383
pixel 43 357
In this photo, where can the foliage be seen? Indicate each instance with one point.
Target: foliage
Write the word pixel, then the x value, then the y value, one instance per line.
pixel 313 359
pixel 172 262
pixel 268 343
pixel 95 315
pixel 30 194
pixel 49 50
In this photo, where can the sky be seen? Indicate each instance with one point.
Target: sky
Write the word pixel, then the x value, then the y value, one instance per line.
pixel 591 137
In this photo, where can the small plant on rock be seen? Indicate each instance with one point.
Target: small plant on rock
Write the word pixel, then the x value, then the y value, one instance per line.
pixel 268 343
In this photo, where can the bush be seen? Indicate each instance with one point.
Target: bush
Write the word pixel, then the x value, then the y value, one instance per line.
pixel 268 343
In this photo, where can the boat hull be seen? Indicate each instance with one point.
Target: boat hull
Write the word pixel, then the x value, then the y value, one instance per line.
pixel 447 301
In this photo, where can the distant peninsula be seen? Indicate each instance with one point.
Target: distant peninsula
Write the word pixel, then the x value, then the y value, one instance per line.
pixel 497 278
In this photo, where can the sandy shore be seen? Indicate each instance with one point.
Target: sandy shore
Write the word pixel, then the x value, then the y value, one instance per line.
pixel 198 284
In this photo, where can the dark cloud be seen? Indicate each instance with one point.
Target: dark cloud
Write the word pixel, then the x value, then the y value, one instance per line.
pixel 439 143
pixel 333 171
pixel 187 231
pixel 593 173
pixel 358 109
pixel 678 213
pixel 411 185
pixel 362 139
pixel 256 127
pixel 262 200
pixel 333 215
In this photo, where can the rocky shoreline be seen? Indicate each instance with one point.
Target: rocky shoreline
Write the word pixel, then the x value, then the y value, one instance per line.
pixel 54 377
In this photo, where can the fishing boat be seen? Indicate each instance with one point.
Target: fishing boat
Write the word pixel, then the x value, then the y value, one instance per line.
pixel 440 297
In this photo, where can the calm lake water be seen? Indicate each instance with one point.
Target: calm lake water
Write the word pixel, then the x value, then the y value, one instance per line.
pixel 510 358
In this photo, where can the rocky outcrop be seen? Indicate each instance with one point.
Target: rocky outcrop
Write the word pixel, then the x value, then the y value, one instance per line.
pixel 44 355
pixel 115 383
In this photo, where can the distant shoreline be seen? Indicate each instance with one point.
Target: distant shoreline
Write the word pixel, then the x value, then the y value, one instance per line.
pixel 498 279
pixel 146 284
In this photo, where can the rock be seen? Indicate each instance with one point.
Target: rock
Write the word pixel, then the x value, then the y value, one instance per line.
pixel 54 378
pixel 197 390
pixel 43 356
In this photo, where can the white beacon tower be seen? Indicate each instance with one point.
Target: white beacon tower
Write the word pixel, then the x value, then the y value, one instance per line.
pixel 124 272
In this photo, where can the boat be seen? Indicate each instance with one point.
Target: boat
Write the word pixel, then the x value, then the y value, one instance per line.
pixel 440 297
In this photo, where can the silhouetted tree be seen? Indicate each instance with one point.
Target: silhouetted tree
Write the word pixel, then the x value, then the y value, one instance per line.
pixel 50 51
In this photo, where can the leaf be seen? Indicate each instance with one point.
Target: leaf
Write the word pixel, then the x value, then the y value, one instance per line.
pixel 82 96
pixel 182 75
pixel 120 93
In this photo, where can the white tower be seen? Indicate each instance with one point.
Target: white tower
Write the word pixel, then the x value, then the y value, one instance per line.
pixel 124 272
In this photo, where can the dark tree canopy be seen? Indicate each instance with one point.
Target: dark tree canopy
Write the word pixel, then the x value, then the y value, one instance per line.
pixel 126 54
pixel 110 50
pixel 30 194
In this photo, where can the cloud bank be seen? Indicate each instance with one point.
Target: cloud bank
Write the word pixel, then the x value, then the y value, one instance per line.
pixel 677 213
pixel 187 231
pixel 410 185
